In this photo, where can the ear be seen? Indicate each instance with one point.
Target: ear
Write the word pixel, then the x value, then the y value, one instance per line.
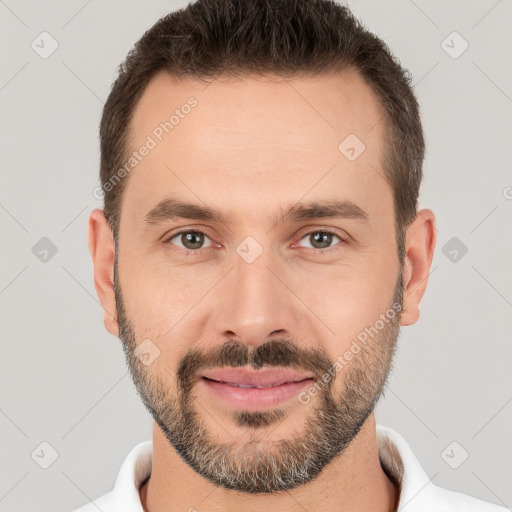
pixel 420 243
pixel 102 249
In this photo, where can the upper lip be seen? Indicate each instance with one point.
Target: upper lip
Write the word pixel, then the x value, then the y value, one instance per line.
pixel 264 377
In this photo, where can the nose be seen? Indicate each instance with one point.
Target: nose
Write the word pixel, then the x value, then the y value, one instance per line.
pixel 255 305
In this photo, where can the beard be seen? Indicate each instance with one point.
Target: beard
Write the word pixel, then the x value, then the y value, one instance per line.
pixel 333 418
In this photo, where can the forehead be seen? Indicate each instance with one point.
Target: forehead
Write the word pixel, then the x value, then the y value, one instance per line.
pixel 328 104
pixel 252 138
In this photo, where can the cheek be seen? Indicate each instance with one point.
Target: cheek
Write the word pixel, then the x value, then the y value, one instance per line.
pixel 345 302
pixel 164 304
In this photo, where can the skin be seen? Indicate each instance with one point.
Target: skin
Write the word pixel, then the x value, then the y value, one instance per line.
pixel 250 148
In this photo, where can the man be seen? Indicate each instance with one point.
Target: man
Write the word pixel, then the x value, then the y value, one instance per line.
pixel 259 248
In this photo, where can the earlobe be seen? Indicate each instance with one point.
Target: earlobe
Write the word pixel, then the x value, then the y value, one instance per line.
pixel 102 250
pixel 420 244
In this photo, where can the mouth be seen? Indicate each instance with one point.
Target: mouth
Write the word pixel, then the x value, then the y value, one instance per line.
pixel 252 390
pixel 249 378
pixel 254 386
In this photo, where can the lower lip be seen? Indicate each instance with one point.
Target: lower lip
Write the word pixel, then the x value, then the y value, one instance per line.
pixel 251 399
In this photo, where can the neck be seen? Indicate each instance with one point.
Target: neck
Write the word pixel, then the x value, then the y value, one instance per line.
pixel 353 481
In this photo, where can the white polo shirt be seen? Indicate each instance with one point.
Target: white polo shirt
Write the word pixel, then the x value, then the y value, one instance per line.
pixel 417 492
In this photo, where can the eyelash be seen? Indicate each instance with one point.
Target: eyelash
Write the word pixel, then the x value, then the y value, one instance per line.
pixel 167 241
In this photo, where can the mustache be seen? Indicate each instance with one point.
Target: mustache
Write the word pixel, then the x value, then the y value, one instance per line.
pixel 274 353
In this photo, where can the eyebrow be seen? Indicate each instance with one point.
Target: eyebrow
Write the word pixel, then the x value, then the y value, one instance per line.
pixel 171 208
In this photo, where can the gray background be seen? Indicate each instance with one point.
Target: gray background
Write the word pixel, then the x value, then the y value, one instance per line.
pixel 63 377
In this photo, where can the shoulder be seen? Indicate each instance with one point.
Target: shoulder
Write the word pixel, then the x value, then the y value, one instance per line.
pixel 417 492
pixel 460 502
pixel 135 468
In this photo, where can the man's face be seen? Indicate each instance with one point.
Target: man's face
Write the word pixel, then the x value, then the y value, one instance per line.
pixel 259 289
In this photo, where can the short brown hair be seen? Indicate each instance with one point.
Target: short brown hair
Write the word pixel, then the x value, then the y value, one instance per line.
pixel 287 38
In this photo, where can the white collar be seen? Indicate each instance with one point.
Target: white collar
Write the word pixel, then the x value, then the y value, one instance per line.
pixel 417 492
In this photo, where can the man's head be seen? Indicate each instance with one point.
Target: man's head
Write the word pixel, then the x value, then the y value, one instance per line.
pixel 265 220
